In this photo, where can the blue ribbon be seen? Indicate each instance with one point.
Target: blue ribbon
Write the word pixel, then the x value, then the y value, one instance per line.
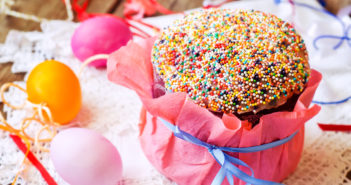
pixel 322 2
pixel 342 38
pixel 332 102
pixel 227 162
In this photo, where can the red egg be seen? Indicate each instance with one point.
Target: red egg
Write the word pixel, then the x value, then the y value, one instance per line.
pixel 99 35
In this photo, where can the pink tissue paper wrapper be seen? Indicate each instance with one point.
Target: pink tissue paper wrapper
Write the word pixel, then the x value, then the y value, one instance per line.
pixel 186 163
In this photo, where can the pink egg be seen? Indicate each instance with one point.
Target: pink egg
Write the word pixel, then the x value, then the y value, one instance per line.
pixel 99 35
pixel 83 156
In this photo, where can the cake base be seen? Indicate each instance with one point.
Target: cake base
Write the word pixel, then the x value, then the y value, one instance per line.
pixel 254 119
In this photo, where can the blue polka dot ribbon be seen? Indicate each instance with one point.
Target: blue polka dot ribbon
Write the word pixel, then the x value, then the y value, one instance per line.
pixel 228 163
pixel 341 38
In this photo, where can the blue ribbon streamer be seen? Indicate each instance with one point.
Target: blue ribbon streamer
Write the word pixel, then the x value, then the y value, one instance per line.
pixel 342 38
pixel 227 162
pixel 332 102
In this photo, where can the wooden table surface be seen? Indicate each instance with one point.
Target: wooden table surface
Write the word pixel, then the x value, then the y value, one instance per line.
pixel 55 9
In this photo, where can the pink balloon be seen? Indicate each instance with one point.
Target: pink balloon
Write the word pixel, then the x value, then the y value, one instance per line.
pixel 99 35
pixel 83 156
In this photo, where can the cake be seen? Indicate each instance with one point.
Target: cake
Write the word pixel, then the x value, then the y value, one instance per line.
pixel 242 62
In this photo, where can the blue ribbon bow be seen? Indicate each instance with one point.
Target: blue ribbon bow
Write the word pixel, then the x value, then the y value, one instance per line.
pixel 227 162
pixel 344 37
pixel 341 39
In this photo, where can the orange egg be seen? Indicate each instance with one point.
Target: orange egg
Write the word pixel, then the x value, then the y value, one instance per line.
pixel 56 85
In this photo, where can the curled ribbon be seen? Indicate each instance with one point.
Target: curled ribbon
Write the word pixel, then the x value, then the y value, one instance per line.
pixel 227 162
pixel 22 138
pixel 83 15
pixel 344 37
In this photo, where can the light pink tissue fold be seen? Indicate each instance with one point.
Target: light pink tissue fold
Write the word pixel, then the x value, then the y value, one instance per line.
pixel 188 164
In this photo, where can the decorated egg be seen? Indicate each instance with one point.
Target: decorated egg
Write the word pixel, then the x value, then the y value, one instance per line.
pixel 82 156
pixel 99 35
pixel 55 85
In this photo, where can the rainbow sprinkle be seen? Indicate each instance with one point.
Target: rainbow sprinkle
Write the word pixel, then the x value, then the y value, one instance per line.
pixel 232 61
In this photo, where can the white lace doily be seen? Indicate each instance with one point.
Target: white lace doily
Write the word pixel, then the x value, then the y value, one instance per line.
pixel 113 110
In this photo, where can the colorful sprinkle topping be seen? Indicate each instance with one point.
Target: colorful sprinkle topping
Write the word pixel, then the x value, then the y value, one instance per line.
pixel 232 61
